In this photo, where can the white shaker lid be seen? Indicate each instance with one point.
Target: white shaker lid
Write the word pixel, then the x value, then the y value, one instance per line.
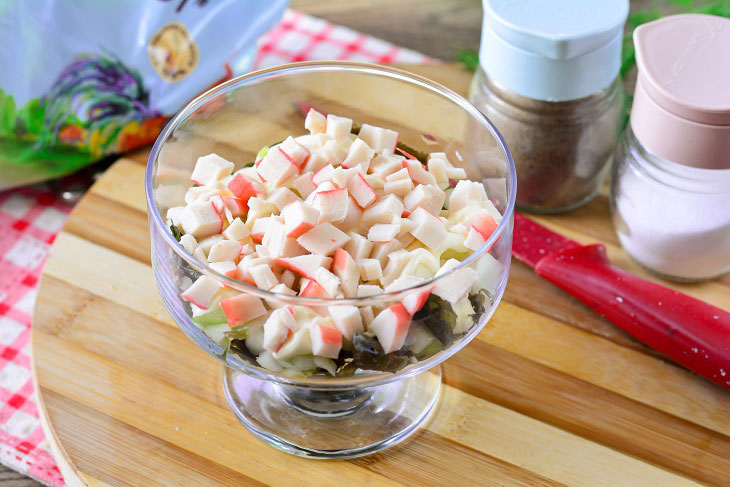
pixel 553 50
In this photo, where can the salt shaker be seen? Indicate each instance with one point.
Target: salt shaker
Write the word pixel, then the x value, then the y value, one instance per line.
pixel 548 79
pixel 671 190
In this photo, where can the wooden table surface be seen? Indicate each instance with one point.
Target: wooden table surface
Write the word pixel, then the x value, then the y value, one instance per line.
pixel 435 27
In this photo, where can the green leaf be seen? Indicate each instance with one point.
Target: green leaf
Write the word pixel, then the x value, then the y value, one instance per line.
pixel 469 58
pixel 7 113
pixel 682 3
pixel 175 231
pixel 32 116
pixel 642 17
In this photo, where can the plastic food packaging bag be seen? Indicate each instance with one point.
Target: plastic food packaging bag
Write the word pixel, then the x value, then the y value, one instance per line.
pixel 81 79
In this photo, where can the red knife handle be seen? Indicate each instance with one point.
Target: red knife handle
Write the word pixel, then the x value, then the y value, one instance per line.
pixel 690 332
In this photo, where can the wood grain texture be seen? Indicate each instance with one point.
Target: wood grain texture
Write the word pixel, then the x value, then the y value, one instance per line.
pixel 548 394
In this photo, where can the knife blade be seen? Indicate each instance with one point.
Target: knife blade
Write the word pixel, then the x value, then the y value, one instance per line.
pixel 690 332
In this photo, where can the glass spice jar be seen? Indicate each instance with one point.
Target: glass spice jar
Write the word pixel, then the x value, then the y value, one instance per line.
pixel 670 195
pixel 548 79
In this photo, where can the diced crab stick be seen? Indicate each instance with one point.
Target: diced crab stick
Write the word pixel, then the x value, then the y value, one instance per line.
pixel 429 230
pixel 358 246
pixel 399 187
pixel 313 290
pixel 483 222
pixel 359 154
pixel 323 239
pixel 304 184
pixel 189 243
pixel 454 286
pixel 201 292
pixel 365 290
pixel 345 267
pixel 467 193
pixel 382 211
pixel 329 282
pixel 370 269
pixel 391 327
pixel 415 301
pixel 297 344
pixel 326 341
pixel 324 174
pixel 263 277
pixel 361 190
pixel 352 219
pixel 427 196
pixel 298 218
pixel 237 230
pixel 210 168
pixel 334 152
pixel 235 206
pixel 242 308
pixel 227 268
pixel 381 250
pixel 380 139
pixel 347 319
pixel 383 232
pixel 201 219
pixel 282 197
pixel 224 250
pixel 279 326
pixel 332 205
pixel 305 265
pixel 294 151
pixel 338 127
pixel 277 167
pixel 315 122
pixel 244 188
pixel 418 173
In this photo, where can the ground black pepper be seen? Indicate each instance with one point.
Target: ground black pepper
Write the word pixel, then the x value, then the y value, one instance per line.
pixel 561 149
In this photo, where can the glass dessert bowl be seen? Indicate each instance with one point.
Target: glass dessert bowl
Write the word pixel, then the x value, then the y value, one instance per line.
pixel 371 394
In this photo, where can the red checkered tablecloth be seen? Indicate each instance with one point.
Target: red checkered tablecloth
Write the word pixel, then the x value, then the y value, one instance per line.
pixel 31 217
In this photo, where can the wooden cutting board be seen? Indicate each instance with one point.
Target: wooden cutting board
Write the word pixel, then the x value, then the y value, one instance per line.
pixel 547 394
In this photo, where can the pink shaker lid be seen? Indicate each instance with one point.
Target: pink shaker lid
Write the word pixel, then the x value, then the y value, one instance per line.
pixel 681 106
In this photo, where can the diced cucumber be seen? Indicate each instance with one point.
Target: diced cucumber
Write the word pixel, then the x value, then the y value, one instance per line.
pixel 262 153
pixel 464 316
pixel 419 338
pixel 217 333
pixel 326 363
pixel 213 316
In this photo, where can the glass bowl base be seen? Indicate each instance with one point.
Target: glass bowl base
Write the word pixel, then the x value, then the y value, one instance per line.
pixel 331 424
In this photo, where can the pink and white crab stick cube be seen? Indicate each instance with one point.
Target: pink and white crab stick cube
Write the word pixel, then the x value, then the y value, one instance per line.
pixel 210 168
pixel 305 265
pixel 427 196
pixel 201 219
pixel 382 211
pixel 224 250
pixel 283 197
pixel 227 268
pixel 391 327
pixel 244 188
pixel 332 205
pixel 294 151
pixel 263 276
pixel 304 184
pixel 361 190
pixel 415 301
pixel 329 282
pixel 454 287
pixel 277 328
pixel 352 220
pixel 242 308
pixel 326 341
pixel 338 127
pixel 323 239
pixel 299 218
pixel 359 154
pixel 380 139
pixel 345 267
pixel 324 174
pixel 358 246
pixel 466 193
pixel 429 230
pixel 237 230
pixel 277 167
pixel 418 173
pixel 315 122
pixel 201 292
pixel 347 319
pixel 312 289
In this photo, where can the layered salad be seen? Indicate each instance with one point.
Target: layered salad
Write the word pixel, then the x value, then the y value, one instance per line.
pixel 341 212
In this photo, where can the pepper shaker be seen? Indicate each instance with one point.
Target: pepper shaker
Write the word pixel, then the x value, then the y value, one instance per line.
pixel 548 79
pixel 671 189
